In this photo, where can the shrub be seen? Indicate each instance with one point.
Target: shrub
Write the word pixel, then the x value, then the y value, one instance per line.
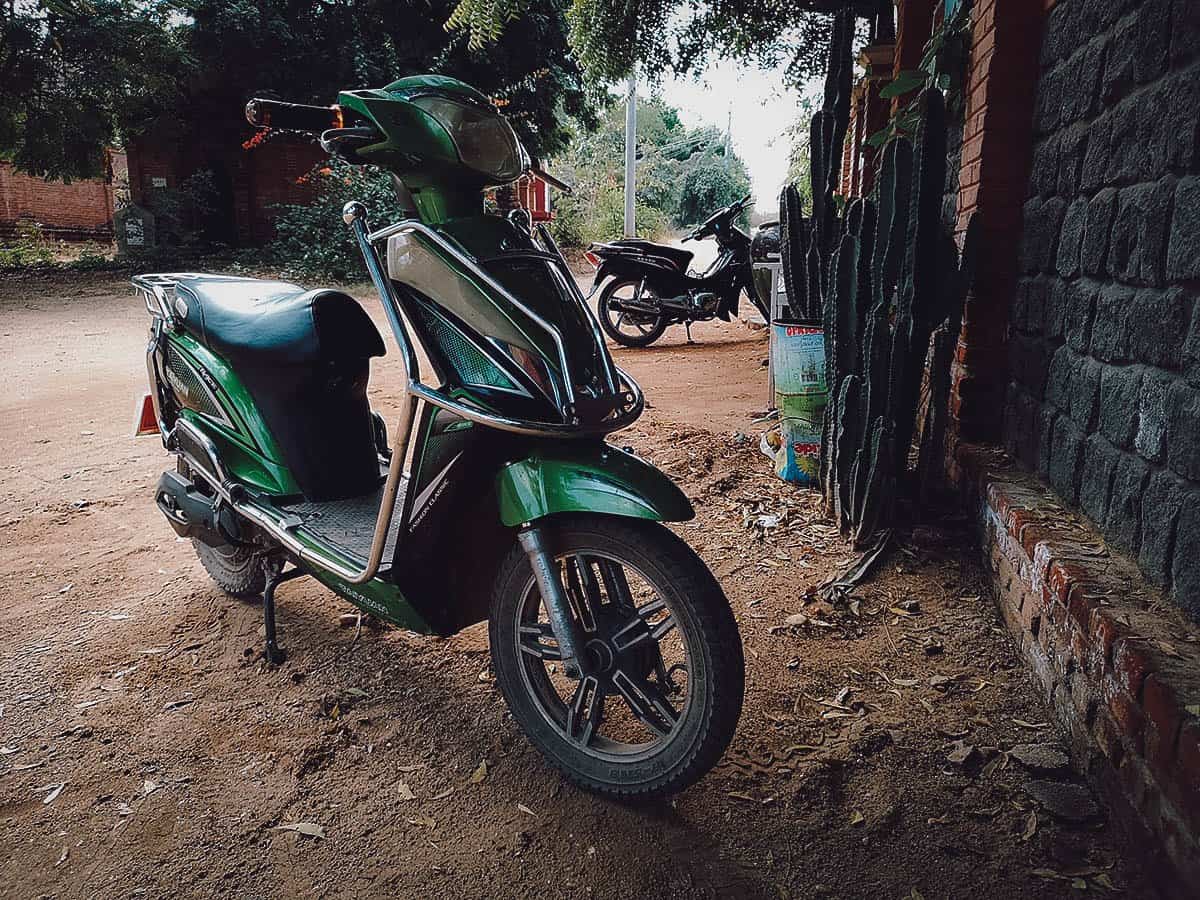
pixel 28 249
pixel 312 239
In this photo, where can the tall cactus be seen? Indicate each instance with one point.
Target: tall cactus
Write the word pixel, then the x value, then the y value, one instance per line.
pixel 894 297
pixel 886 281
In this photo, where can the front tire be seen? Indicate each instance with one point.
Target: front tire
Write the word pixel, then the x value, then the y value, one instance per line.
pixel 666 695
pixel 626 328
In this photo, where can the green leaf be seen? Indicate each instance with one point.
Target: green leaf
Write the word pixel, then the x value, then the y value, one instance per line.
pixel 905 81
pixel 881 137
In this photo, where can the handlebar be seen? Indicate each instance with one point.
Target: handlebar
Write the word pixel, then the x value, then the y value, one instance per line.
pixel 293 116
pixel 705 227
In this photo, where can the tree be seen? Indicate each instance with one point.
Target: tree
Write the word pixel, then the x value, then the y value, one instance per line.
pixel 75 73
pixel 81 74
pixel 683 175
pixel 658 36
pixel 308 51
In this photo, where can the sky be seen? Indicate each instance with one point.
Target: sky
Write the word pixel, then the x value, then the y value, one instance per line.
pixel 761 110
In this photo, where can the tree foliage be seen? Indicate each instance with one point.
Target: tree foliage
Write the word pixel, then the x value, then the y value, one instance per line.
pixel 311 239
pixel 74 74
pixel 682 176
pixel 611 37
pixel 308 51
pixel 81 74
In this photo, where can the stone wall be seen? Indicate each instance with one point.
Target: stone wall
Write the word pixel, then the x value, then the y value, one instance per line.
pixel 1104 391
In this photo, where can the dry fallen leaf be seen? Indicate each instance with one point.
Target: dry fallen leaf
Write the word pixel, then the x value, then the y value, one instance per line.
pixel 962 753
pixel 443 795
pixel 55 790
pixel 1031 825
pixel 1032 726
pixel 308 829
pixel 405 791
pixel 857 818
pixel 479 774
pixel 525 809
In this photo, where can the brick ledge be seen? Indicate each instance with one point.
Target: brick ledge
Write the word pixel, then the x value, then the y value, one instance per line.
pixel 1119 666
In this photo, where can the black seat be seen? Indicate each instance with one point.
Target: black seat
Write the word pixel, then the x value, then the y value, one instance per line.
pixel 253 320
pixel 304 357
pixel 677 256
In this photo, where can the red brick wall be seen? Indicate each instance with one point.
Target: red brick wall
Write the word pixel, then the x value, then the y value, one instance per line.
pixel 270 176
pixel 76 210
pixel 993 174
pixel 261 178
pixel 1119 672
pixel 914 24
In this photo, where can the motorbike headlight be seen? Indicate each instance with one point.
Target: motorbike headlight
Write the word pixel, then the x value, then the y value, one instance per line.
pixel 484 140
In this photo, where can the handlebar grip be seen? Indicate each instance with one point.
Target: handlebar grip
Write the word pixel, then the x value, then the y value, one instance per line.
pixel 293 116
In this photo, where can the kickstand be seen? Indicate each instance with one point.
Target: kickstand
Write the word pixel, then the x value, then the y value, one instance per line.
pixel 688 328
pixel 274 655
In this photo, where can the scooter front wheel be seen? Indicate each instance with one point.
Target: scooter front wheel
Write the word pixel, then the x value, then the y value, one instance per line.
pixel 627 327
pixel 666 673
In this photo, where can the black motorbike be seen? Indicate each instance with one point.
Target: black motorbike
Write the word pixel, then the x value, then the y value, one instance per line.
pixel 650 286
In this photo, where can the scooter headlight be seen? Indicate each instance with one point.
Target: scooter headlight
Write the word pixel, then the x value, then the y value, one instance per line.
pixel 484 140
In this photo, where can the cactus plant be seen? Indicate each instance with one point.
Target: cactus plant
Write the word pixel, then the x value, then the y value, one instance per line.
pixel 888 284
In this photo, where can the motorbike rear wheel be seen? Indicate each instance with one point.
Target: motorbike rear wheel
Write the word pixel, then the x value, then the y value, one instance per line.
pixel 665 690
pixel 630 329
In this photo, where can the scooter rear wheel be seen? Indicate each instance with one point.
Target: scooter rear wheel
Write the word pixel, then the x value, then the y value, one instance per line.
pixel 665 692
pixel 627 328
pixel 238 571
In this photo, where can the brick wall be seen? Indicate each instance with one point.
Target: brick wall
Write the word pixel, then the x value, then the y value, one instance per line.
pixel 77 210
pixel 255 181
pixel 1104 390
pixel 993 168
pixel 1121 675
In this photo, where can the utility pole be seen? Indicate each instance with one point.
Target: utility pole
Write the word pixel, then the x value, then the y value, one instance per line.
pixel 630 154
pixel 728 131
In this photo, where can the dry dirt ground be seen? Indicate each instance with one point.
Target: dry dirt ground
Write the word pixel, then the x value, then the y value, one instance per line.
pixel 146 751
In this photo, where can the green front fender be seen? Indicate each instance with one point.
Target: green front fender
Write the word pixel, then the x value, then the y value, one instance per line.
pixel 587 478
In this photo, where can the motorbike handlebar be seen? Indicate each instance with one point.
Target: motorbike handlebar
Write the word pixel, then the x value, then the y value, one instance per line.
pixel 706 227
pixel 293 116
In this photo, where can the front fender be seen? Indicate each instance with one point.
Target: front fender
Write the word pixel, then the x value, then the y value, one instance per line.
pixel 591 477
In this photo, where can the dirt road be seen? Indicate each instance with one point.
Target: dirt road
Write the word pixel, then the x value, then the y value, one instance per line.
pixel 146 751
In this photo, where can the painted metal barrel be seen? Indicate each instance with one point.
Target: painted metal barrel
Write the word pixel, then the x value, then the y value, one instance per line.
pixel 798 362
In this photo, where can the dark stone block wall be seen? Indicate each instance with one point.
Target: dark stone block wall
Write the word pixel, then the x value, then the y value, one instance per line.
pixel 1104 392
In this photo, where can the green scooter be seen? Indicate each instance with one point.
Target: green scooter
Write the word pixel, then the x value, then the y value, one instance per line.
pixel 497 498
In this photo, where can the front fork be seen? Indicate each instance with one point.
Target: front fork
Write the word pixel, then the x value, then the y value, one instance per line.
pixel 567 632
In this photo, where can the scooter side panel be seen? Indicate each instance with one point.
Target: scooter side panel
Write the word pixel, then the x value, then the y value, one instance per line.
pixel 247 448
pixel 587 477
pixel 378 597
